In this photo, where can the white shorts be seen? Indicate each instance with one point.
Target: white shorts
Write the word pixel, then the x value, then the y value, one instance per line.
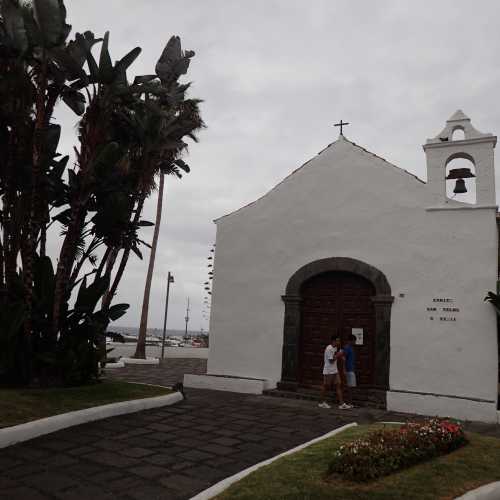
pixel 350 379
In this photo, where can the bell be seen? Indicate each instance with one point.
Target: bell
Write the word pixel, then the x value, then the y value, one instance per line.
pixel 460 187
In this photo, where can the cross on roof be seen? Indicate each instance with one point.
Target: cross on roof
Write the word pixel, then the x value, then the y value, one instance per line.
pixel 340 124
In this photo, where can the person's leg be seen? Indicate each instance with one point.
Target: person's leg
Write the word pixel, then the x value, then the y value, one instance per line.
pixel 351 382
pixel 347 389
pixel 325 388
pixel 338 388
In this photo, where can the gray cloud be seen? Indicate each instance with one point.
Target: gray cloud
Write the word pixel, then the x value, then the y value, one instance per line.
pixel 275 76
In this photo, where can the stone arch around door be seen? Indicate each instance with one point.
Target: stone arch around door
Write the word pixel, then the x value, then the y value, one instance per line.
pixel 382 301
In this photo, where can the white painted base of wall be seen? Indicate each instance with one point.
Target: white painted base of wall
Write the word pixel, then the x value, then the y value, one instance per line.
pixel 487 492
pixel 442 406
pixel 138 361
pixel 118 364
pixel 223 383
pixel 30 430
pixel 219 487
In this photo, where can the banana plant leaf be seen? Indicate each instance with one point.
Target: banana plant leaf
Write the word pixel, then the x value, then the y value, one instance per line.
pixel 50 16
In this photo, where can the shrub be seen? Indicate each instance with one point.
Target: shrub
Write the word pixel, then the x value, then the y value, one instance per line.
pixel 389 450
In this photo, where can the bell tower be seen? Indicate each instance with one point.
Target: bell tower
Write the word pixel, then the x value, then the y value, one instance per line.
pixel 459 139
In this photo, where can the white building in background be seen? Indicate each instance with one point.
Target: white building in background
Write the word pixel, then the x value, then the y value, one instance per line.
pixel 349 243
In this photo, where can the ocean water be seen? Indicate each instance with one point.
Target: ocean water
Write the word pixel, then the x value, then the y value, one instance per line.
pixel 154 332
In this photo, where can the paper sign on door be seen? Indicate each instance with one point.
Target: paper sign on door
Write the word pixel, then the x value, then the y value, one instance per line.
pixel 358 333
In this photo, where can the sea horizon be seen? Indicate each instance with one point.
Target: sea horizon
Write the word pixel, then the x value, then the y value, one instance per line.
pixel 156 332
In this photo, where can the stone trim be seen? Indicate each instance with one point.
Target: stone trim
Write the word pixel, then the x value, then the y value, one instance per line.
pixel 464 142
pixel 382 301
pixel 345 264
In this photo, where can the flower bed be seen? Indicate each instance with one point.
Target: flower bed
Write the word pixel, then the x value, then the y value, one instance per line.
pixel 389 450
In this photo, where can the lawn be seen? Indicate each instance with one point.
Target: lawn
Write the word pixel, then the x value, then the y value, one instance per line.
pixel 18 406
pixel 303 475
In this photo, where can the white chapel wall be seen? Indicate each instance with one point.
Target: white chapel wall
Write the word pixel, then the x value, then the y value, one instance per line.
pixel 349 203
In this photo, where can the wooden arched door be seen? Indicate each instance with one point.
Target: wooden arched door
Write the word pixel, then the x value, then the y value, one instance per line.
pixel 335 303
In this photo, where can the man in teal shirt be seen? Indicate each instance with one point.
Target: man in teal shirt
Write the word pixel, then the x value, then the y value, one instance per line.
pixel 350 361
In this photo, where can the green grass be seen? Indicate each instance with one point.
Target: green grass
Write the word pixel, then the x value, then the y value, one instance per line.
pixel 303 475
pixel 18 406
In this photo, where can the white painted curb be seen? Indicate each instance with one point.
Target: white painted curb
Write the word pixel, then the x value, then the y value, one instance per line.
pixel 138 361
pixel 487 492
pixel 30 430
pixel 119 364
pixel 225 483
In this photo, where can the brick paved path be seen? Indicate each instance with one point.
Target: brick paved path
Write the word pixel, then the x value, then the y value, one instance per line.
pixel 167 453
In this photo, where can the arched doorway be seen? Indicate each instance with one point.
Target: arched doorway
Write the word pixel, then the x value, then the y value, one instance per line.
pixel 353 285
pixel 336 303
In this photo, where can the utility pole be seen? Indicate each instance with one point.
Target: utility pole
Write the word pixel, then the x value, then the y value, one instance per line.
pixel 170 279
pixel 187 319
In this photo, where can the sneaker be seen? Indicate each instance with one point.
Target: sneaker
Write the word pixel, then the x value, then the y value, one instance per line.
pixel 344 406
pixel 324 405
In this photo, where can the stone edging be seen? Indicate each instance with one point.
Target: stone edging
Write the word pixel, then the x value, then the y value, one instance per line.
pixel 30 430
pixel 228 481
pixel 489 491
pixel 118 364
pixel 139 361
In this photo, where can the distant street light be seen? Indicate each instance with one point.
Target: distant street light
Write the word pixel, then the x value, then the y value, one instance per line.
pixel 170 279
pixel 187 319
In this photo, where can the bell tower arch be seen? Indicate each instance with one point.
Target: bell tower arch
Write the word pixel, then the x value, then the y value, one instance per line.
pixel 459 139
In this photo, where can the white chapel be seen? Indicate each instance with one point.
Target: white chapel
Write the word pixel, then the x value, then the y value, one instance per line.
pixel 349 243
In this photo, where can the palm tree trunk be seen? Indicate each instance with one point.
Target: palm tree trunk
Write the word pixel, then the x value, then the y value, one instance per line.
pixel 140 351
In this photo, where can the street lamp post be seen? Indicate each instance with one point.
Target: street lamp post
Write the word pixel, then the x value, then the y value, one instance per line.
pixel 170 279
pixel 187 319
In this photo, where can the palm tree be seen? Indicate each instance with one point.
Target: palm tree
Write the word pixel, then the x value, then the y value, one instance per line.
pixel 180 118
pixel 128 133
pixel 140 351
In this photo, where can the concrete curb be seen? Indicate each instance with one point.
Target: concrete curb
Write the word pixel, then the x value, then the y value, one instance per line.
pixel 138 361
pixel 118 364
pixel 228 481
pixel 30 430
pixel 489 491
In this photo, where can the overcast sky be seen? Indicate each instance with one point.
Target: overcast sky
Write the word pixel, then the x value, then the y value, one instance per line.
pixel 275 76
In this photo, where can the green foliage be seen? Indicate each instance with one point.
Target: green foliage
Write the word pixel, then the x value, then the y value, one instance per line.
pixel 494 300
pixel 127 134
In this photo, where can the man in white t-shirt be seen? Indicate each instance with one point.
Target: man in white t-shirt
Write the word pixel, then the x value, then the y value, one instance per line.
pixel 331 376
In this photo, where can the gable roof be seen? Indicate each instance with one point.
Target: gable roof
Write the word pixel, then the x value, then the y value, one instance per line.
pixel 341 138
